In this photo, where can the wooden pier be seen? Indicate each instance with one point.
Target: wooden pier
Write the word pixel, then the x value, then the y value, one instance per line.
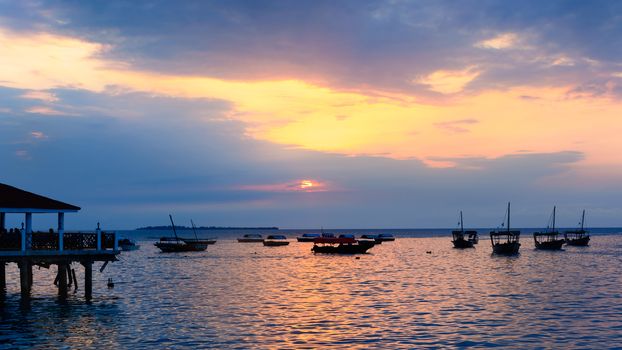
pixel 26 248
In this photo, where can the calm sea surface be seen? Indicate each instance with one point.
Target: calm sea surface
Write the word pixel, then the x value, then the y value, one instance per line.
pixel 245 295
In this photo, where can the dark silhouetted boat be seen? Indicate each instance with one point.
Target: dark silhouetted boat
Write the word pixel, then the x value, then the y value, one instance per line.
pixel 307 237
pixel 275 241
pixel 578 237
pixel 462 238
pixel 177 244
pixel 196 240
pixel 385 237
pixel 344 244
pixel 127 244
pixel 505 242
pixel 251 238
pixel 549 239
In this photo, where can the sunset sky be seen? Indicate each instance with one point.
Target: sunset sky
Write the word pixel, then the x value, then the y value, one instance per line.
pixel 301 114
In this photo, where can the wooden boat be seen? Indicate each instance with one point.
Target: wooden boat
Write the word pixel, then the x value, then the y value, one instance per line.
pixel 127 244
pixel 462 238
pixel 307 237
pixel 196 240
pixel 275 241
pixel 548 240
pixel 177 244
pixel 344 244
pixel 578 237
pixel 251 238
pixel 174 245
pixel 505 242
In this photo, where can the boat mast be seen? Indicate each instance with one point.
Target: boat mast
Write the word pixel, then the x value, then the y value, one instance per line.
pixel 461 224
pixel 194 230
pixel 582 219
pixel 172 223
pixel 508 216
pixel 553 218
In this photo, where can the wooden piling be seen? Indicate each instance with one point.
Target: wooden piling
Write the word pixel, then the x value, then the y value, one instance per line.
pixel 88 279
pixel 2 276
pixel 25 277
pixel 62 280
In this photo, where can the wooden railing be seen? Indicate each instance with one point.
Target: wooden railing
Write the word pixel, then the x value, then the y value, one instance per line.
pixel 49 241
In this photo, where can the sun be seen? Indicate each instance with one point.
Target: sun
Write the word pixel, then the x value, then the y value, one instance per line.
pixel 306 184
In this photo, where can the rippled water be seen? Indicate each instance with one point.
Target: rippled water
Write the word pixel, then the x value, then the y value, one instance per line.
pixel 398 296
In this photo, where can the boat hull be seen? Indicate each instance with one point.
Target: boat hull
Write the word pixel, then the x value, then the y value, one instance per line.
pixel 360 248
pixel 550 245
pixel 167 247
pixel 578 242
pixel 462 243
pixel 127 248
pixel 275 243
pixel 305 239
pixel 510 248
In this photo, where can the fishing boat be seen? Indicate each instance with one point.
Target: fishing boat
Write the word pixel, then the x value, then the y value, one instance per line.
pixel 344 244
pixel 505 242
pixel 578 237
pixel 275 241
pixel 307 237
pixel 549 239
pixel 127 244
pixel 251 238
pixel 177 244
pixel 196 240
pixel 462 238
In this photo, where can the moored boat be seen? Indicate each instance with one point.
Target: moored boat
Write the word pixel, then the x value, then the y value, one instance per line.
pixel 127 244
pixel 307 237
pixel 505 242
pixel 177 244
pixel 344 244
pixel 462 238
pixel 275 241
pixel 385 237
pixel 548 240
pixel 251 238
pixel 578 237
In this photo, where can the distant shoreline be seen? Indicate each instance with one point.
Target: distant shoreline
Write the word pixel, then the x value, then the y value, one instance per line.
pixel 169 227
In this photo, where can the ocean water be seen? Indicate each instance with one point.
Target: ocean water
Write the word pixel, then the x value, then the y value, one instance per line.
pixel 245 295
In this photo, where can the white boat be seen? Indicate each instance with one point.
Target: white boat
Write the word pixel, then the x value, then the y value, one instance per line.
pixel 127 244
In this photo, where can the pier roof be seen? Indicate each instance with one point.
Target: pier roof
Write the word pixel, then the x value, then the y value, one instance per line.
pixel 15 200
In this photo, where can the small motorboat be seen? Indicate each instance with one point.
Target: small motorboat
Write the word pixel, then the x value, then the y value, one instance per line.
pixel 505 242
pixel 275 241
pixel 344 244
pixel 127 244
pixel 251 238
pixel 580 237
pixel 548 240
pixel 370 238
pixel 462 238
pixel 385 237
pixel 307 237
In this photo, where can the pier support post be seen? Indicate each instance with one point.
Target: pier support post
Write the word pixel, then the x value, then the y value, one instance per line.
pixel 98 231
pixel 2 221
pixel 88 279
pixel 28 230
pixel 61 231
pixel 25 277
pixel 62 281
pixel 2 277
